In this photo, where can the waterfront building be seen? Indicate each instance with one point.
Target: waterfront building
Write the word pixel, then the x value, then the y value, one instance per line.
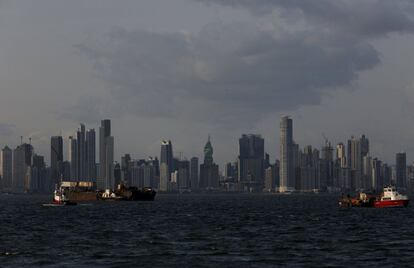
pixel 183 180
pixel 73 158
pixel 6 168
pixel 81 153
pixel 167 155
pixel 164 177
pixel 251 159
pixel 90 161
pixel 287 168
pixel 22 160
pixel 106 157
pixel 377 182
pixel 194 175
pixel 56 158
pixel 209 172
pixel 401 170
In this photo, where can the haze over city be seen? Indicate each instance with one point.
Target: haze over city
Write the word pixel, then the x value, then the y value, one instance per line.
pixel 183 69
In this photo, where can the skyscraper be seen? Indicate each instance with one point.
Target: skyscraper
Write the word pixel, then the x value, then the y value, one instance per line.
pixel 209 175
pixel 377 176
pixel 341 155
pixel 90 145
pixel 166 164
pixel 194 176
pixel 287 177
pixel 56 158
pixel 73 158
pixel 81 158
pixel 251 158
pixel 6 168
pixel 106 156
pixel 401 169
pixel 22 160
pixel 167 155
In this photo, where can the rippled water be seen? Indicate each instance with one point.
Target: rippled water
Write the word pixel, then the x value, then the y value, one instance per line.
pixel 204 231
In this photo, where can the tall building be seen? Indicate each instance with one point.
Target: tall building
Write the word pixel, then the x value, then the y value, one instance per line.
pixel 341 155
pixel 37 179
pixel 56 158
pixel 377 176
pixel 183 170
pixel 309 170
pixel 401 170
pixel 90 164
pixel 6 168
pixel 364 145
pixel 125 168
pixel 327 166
pixel 369 181
pixel 81 150
pixel 251 159
pixel 106 156
pixel 166 164
pixel 73 158
pixel 287 169
pixel 355 162
pixel 167 155
pixel 164 177
pixel 209 173
pixel 22 160
pixel 194 176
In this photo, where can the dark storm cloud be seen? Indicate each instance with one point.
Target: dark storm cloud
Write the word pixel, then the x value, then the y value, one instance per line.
pixel 7 130
pixel 243 70
pixel 362 17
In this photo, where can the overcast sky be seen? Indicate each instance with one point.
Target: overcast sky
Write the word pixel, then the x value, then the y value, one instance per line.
pixel 183 69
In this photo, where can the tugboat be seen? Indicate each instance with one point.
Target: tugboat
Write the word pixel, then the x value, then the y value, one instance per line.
pixel 60 199
pixel 391 198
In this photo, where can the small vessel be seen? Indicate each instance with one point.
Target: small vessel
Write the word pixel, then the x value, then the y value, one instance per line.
pixel 60 199
pixel 391 198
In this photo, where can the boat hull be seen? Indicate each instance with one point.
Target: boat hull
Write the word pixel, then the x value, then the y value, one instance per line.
pixel 391 203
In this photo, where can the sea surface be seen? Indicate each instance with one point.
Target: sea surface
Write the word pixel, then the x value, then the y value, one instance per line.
pixel 217 230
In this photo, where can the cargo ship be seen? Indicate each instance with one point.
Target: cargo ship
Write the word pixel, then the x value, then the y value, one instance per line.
pixel 86 191
pixel 388 198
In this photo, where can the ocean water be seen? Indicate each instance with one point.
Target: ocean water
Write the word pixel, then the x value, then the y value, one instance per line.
pixel 222 230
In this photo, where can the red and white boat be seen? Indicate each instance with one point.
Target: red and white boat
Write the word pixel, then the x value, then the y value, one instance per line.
pixel 59 199
pixel 391 198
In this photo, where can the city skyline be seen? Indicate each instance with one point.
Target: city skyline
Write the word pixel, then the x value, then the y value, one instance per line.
pixel 90 134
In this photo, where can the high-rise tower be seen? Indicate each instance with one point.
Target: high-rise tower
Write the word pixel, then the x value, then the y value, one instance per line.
pixel 106 156
pixel 401 169
pixel 287 177
pixel 166 165
pixel 56 158
pixel 73 158
pixel 251 158
pixel 90 145
pixel 6 167
pixel 209 175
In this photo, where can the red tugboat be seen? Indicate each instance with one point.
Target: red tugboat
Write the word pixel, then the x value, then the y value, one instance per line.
pixel 391 198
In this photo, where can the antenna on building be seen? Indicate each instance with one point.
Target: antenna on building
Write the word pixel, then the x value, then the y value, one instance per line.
pixel 21 140
pixel 30 140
